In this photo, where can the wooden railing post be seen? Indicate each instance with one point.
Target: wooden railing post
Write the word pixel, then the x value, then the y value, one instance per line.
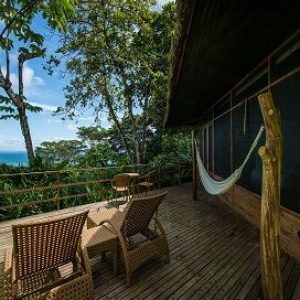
pixel 58 202
pixel 271 156
pixel 195 184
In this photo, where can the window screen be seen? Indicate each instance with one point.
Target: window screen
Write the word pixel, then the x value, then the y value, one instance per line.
pixel 246 122
pixel 286 96
pixel 222 146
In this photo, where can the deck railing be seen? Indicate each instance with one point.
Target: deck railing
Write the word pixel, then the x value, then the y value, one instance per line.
pixel 23 194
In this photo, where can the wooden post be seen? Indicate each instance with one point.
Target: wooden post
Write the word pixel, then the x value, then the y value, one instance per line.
pixel 58 202
pixel 195 185
pixel 271 156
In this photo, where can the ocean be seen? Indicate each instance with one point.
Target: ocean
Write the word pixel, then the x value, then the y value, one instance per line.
pixel 14 158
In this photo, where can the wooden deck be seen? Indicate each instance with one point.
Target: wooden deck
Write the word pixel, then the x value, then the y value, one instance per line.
pixel 214 255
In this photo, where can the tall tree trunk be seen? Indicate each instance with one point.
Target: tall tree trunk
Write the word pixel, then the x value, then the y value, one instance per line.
pixel 26 133
pixel 137 152
pixel 17 101
pixel 114 117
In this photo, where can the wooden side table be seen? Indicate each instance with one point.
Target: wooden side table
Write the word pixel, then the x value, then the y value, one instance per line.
pixel 99 240
pixel 96 219
pixel 134 182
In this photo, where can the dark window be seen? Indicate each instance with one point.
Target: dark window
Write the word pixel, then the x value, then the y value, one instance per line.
pixel 257 81
pixel 286 60
pixel 221 107
pixel 246 122
pixel 222 146
pixel 287 98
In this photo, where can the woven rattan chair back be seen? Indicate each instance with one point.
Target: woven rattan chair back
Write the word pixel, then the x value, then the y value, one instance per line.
pixel 152 177
pixel 140 213
pixel 121 180
pixel 44 246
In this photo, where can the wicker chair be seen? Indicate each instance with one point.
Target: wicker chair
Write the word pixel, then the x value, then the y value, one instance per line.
pixel 121 184
pixel 38 264
pixel 149 182
pixel 136 220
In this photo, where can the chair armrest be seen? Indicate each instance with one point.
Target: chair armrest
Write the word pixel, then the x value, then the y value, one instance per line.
pixel 116 222
pixel 158 225
pixel 119 215
pixel 80 288
pixel 143 178
pixel 8 273
pixel 85 261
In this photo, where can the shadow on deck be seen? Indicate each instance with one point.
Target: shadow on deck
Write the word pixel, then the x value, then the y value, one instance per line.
pixel 214 255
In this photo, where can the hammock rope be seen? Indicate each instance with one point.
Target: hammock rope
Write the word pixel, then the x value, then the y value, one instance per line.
pixel 214 187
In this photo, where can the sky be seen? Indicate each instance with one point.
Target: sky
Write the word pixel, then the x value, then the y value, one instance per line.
pixel 46 92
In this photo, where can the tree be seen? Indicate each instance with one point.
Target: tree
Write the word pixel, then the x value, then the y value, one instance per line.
pixel 64 152
pixel 17 17
pixel 118 59
pixel 92 135
pixel 101 155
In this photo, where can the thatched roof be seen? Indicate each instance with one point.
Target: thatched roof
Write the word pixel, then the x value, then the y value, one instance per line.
pixel 217 42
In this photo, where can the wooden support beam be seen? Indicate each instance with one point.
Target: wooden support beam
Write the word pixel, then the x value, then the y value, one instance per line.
pixel 195 184
pixel 271 156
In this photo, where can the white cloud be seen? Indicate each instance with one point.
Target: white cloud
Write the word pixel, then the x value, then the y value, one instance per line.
pixel 16 143
pixel 86 118
pixel 29 80
pixel 71 127
pixel 53 121
pixel 44 106
pixel 59 138
pixel 12 143
pixel 160 3
pixel 13 79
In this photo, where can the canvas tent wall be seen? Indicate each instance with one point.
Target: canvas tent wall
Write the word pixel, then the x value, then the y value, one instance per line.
pixel 233 122
pixel 217 44
pixel 225 54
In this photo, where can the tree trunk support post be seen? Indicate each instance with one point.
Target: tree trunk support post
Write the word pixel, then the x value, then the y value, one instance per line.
pixel 195 184
pixel 271 156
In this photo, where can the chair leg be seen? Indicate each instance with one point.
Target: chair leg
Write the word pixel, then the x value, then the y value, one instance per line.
pixel 128 278
pixel 103 256
pixel 167 259
pixel 115 264
pixel 116 201
pixel 147 190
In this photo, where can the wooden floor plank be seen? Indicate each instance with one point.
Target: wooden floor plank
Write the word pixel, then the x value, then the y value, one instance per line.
pixel 235 273
pixel 183 247
pixel 296 291
pixel 182 265
pixel 199 280
pixel 214 255
pixel 291 282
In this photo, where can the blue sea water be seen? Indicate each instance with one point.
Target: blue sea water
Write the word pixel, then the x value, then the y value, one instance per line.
pixel 14 158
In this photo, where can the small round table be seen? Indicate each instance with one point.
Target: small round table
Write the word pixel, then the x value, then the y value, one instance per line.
pixel 99 240
pixel 134 181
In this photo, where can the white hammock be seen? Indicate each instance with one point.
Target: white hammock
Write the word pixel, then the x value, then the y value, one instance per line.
pixel 220 187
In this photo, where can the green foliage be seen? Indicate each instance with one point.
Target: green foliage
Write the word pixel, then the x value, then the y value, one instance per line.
pixel 101 155
pixel 64 152
pixel 96 147
pixel 173 163
pixel 174 160
pixel 118 57
pixel 17 17
pixel 117 53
